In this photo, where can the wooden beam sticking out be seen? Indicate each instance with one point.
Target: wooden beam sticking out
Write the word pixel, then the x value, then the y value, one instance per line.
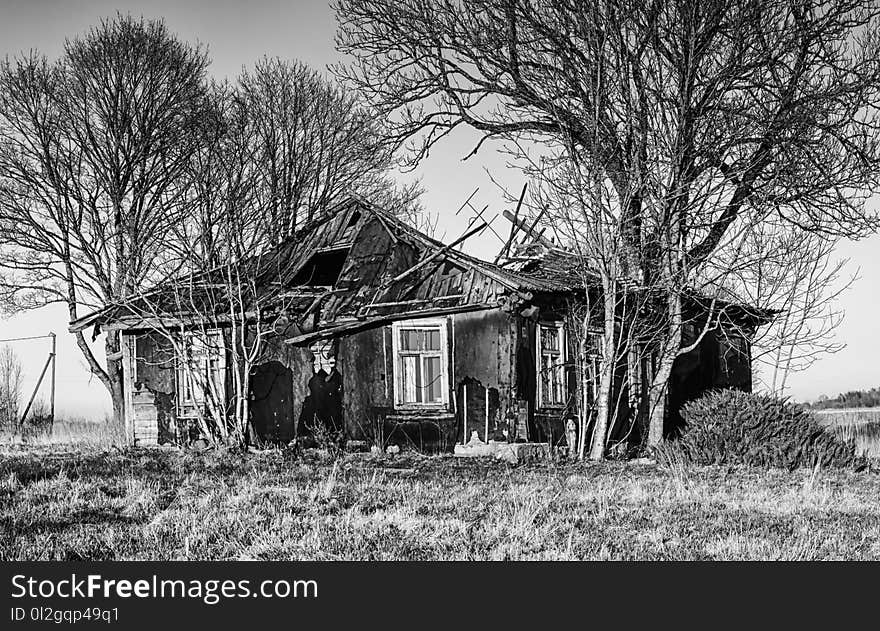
pixel 175 321
pixel 355 326
pixel 505 250
pixel 436 254
pixel 305 292
pixel 528 230
pixel 535 224
pixel 401 303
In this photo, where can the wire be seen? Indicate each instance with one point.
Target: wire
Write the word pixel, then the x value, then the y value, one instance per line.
pixel 34 337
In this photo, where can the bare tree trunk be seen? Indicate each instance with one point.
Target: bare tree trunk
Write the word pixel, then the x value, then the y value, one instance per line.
pixel 660 379
pixel 659 389
pixel 585 386
pixel 111 377
pixel 603 408
pixel 114 383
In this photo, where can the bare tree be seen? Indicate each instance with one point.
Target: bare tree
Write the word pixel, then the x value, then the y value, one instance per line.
pixel 10 387
pixel 95 150
pixel 280 146
pixel 795 274
pixel 295 145
pixel 704 118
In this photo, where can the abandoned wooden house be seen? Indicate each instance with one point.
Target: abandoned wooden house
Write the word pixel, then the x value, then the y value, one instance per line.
pixel 434 346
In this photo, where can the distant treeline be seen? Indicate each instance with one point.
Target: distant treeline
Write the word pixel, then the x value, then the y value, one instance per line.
pixel 852 399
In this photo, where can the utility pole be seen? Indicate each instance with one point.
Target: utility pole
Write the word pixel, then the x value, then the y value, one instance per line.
pixel 52 386
pixel 49 360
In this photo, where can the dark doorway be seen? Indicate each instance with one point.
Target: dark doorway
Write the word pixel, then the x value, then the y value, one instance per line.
pixel 271 405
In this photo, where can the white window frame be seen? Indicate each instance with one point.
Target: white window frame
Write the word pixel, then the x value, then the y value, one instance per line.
pixel 214 340
pixel 440 324
pixel 559 326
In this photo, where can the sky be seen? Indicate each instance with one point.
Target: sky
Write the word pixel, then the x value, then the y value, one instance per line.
pixel 237 34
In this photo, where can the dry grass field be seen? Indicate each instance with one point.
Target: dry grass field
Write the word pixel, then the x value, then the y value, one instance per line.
pixel 860 426
pixel 89 502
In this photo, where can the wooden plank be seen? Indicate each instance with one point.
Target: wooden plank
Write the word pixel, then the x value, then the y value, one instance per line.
pixel 354 326
pixel 129 377
pixel 436 254
pixel 467 286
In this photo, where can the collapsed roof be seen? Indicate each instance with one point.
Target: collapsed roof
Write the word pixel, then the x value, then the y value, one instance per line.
pixel 356 267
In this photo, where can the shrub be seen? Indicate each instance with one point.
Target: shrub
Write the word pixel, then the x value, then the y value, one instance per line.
pixel 734 427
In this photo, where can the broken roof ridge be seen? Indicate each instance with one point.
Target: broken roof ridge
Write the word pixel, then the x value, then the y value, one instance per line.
pixel 294 252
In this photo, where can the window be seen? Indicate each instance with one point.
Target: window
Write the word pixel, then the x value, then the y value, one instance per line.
pixel 550 362
pixel 201 374
pixel 420 358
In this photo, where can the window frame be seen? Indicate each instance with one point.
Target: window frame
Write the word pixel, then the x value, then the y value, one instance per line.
pixel 559 326
pixel 213 361
pixel 432 324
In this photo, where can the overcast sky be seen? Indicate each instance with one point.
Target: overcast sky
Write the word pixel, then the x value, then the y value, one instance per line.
pixel 239 33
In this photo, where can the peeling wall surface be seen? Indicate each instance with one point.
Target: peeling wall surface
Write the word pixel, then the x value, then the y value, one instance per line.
pixel 271 402
pixel 483 373
pixel 365 362
pixel 279 385
pixel 480 349
pixel 154 390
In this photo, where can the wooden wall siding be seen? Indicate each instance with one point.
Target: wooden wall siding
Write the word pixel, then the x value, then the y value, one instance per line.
pixel 301 365
pixel 374 257
pixel 379 248
pixel 378 255
pixel 334 231
pixel 361 361
pixel 153 390
pixel 146 418
pixel 483 364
